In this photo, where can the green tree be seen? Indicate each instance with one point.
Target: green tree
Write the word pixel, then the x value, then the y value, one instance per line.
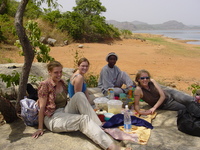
pixel 85 23
pixel 52 16
pixel 3 4
pixel 33 10
pixel 26 45
pixel 89 8
pixel 7 28
pixel 73 22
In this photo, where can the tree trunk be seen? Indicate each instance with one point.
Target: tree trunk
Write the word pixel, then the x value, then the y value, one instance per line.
pixel 27 50
pixel 7 110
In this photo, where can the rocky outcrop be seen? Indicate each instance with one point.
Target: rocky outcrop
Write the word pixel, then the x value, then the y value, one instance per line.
pixel 38 72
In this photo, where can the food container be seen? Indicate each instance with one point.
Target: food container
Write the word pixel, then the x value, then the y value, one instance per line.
pixel 108 116
pixel 101 103
pixel 100 114
pixel 114 106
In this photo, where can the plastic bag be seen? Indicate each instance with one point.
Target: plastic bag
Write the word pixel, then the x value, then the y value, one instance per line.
pixel 29 111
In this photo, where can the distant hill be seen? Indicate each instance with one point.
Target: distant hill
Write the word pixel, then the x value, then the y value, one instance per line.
pixel 137 25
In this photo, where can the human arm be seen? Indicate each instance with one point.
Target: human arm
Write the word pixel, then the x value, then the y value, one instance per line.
pixel 42 104
pixel 107 79
pixel 162 96
pixel 78 83
pixel 78 86
pixel 137 95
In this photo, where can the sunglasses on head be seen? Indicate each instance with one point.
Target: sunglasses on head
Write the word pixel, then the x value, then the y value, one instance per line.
pixel 142 78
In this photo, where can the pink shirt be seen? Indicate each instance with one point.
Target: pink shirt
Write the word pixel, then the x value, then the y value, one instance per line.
pixel 47 90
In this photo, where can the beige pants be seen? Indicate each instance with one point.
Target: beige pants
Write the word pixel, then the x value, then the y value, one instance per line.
pixel 78 115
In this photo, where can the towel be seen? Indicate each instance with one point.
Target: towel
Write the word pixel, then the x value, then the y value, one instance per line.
pixel 138 134
pixel 118 120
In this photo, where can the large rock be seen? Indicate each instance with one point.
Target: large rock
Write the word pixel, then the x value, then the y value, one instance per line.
pixel 164 136
pixel 38 70
pixel 17 136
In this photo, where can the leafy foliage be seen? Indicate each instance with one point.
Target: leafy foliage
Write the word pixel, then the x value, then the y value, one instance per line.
pixel 2 38
pixel 92 80
pixel 11 80
pixel 85 23
pixel 52 16
pixel 89 8
pixel 33 10
pixel 194 87
pixel 126 33
pixel 6 27
pixel 41 50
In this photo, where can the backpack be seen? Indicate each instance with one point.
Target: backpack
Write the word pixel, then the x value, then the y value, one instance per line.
pixel 188 120
pixel 29 111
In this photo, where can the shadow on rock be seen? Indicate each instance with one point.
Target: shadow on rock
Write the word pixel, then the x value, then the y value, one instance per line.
pixel 17 129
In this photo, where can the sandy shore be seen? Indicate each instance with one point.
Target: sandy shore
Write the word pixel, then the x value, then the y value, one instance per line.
pixel 173 68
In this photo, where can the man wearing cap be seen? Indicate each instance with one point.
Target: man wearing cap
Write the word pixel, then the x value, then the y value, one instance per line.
pixel 112 77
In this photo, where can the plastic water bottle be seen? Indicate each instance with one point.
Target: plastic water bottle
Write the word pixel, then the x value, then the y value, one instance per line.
pixel 111 95
pixel 127 119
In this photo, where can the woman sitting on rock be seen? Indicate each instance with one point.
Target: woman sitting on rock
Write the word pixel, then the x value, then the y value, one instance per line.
pixel 77 83
pixel 58 115
pixel 158 97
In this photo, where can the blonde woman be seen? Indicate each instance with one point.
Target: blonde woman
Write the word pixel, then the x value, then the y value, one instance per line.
pixel 77 82
pixel 157 96
pixel 60 116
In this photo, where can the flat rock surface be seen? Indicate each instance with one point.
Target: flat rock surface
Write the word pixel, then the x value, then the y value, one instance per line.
pixel 164 136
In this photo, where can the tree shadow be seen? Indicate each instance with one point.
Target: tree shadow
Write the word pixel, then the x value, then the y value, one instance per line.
pixel 17 129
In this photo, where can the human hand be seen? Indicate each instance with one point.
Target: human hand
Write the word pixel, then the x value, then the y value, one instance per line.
pixel 146 112
pixel 152 110
pixel 38 133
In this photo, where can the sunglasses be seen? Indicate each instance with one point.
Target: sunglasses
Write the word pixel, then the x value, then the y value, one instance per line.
pixel 142 78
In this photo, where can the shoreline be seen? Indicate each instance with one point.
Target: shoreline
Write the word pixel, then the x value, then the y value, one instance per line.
pixel 194 34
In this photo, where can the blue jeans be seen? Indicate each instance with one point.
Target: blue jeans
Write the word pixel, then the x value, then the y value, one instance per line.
pixel 175 100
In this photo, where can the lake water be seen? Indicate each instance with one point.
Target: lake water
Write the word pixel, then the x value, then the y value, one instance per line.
pixel 179 34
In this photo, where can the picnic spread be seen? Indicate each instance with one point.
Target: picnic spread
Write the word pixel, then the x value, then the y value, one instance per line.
pixel 140 132
pixel 114 125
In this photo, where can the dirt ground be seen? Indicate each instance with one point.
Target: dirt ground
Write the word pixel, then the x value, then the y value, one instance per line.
pixel 167 67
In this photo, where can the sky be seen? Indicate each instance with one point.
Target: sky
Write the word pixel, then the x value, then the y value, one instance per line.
pixel 148 11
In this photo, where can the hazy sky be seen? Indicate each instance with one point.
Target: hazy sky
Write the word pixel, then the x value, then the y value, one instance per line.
pixel 149 11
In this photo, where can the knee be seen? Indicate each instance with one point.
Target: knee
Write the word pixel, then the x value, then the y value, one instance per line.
pixel 84 120
pixel 79 95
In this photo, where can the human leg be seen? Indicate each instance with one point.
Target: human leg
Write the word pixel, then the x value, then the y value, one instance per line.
pixel 173 105
pixel 177 96
pixel 123 78
pixel 79 104
pixel 65 122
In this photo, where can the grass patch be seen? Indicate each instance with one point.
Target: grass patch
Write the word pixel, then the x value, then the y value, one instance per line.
pixel 3 54
pixel 170 47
